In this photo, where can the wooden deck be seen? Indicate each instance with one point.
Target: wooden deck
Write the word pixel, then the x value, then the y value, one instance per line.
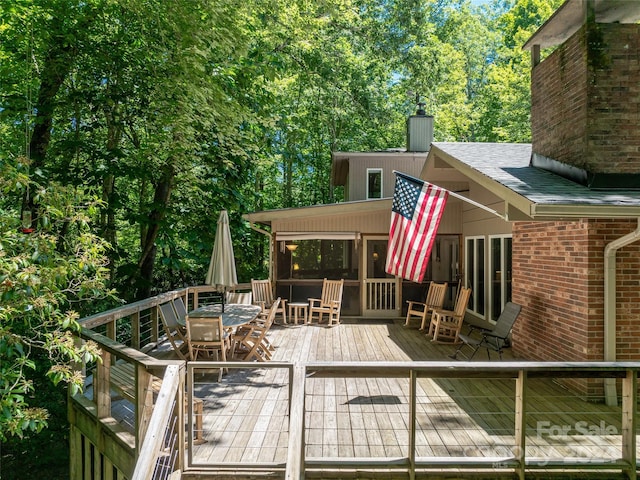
pixel 246 415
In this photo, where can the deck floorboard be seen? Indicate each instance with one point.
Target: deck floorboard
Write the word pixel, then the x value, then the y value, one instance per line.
pixel 246 417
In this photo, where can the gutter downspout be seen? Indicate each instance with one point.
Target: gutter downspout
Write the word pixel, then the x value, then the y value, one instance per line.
pixel 610 292
pixel 264 232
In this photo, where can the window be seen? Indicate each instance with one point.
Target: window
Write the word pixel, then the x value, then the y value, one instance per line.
pixel 500 273
pixel 374 183
pixel 474 273
pixel 317 259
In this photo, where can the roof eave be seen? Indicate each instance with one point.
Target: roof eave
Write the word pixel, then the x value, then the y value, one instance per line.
pixel 268 216
pixel 510 197
pixel 521 208
pixel 567 212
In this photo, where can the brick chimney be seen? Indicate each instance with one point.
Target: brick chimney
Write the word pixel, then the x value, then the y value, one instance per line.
pixel 585 96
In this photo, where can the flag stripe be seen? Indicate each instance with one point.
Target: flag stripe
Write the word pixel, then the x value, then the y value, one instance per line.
pixel 415 218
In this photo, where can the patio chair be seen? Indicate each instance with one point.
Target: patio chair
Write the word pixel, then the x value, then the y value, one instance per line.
pixel 329 303
pixel 243 298
pixel 173 329
pixel 181 310
pixel 495 339
pixel 433 300
pixel 207 337
pixel 446 324
pixel 251 339
pixel 262 293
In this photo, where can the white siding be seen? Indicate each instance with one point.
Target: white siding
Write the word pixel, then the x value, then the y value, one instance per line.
pixel 376 222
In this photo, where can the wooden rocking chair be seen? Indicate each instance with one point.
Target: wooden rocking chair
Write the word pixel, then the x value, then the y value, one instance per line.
pixel 446 324
pixel 262 293
pixel 330 303
pixel 434 300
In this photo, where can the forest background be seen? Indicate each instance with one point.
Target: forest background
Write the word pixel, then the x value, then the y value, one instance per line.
pixel 127 125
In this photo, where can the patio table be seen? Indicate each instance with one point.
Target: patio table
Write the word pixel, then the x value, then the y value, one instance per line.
pixel 299 309
pixel 234 313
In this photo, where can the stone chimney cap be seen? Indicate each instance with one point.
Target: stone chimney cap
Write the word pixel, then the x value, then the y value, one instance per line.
pixel 571 16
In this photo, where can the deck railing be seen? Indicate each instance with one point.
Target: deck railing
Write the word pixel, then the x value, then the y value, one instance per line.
pixel 110 420
pixel 522 451
pixel 520 458
pixel 104 447
pixel 160 455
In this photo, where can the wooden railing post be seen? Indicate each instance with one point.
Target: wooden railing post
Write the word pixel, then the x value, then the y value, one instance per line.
pixel 629 422
pixel 111 327
pixel 295 454
pixel 135 330
pixel 181 398
pixel 155 330
pixel 196 301
pixel 413 385
pixel 520 422
pixel 144 402
pixel 102 385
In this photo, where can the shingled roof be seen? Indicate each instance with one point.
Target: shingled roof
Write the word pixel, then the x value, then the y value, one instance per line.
pixel 504 169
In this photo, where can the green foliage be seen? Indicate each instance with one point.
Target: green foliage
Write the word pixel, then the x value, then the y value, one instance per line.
pixel 46 279
pixel 176 110
pixel 172 111
pixel 144 118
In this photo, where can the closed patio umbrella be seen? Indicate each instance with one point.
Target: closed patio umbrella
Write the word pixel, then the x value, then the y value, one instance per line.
pixel 222 267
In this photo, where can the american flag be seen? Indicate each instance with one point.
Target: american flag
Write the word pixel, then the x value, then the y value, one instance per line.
pixel 415 216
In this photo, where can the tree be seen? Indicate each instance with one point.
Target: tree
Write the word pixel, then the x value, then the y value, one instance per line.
pixel 505 99
pixel 47 278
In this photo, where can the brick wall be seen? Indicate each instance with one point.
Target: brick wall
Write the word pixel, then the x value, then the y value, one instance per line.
pixel 559 104
pixel 558 278
pixel 586 100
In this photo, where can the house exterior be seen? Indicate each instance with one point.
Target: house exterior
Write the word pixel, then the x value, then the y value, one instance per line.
pixel 349 239
pixel 564 240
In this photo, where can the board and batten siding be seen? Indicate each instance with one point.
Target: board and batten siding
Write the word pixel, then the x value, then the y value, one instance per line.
pixel 388 162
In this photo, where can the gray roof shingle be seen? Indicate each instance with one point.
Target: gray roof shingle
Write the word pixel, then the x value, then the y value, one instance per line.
pixel 508 164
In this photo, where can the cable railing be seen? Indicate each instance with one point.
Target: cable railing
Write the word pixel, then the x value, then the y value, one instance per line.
pixel 315 419
pixel 441 420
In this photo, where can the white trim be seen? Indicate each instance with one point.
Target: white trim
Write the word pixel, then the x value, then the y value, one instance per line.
pixel 476 295
pixel 374 170
pixel 288 236
pixel 504 274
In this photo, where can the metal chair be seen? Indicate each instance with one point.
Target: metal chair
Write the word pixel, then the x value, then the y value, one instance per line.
pixel 495 339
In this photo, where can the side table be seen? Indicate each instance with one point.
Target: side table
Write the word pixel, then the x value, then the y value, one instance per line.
pixel 298 309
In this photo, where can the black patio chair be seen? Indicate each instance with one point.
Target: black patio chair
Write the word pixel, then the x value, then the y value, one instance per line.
pixel 495 339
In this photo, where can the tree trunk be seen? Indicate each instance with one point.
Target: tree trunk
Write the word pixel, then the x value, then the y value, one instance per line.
pixel 156 216
pixel 54 71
